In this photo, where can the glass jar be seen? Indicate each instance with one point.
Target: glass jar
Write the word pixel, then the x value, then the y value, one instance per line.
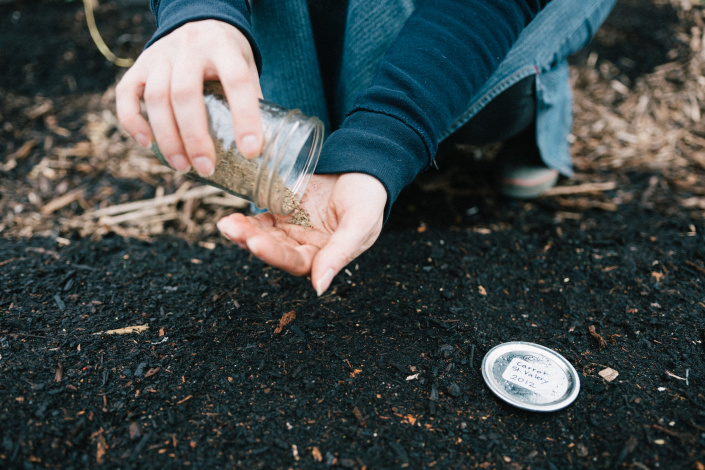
pixel 277 178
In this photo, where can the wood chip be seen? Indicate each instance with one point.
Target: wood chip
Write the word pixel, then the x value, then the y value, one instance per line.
pixel 358 415
pixel 10 260
pixel 23 151
pixel 693 203
pixel 135 431
pixel 316 454
pixel 102 448
pixel 182 401
pixel 138 215
pixel 581 189
pixel 672 375
pixel 40 109
pixel 195 193
pixel 600 340
pixel 81 150
pixel 63 201
pixel 287 318
pixel 687 438
pixel 125 331
pixel 695 266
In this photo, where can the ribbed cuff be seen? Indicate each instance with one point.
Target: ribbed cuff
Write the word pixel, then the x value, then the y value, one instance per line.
pixel 170 14
pixel 378 145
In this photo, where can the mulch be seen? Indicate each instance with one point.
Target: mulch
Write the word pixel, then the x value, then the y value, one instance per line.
pixel 133 336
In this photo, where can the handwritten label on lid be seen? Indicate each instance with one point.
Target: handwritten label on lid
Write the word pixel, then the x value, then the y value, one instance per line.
pixel 541 376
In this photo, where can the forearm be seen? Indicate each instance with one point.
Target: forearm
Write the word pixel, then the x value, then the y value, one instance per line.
pixel 443 55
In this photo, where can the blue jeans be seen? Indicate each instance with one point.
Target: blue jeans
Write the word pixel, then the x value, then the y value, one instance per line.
pixel 291 74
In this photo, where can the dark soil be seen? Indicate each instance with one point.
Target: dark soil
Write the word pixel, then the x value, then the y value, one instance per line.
pixel 380 372
pixel 211 384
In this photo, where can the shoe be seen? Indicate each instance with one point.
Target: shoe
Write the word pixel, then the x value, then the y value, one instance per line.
pixel 524 177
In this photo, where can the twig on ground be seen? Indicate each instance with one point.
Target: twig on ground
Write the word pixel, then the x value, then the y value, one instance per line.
pixel 124 331
pixel 195 193
pixel 63 201
pixel 581 189
pixel 600 340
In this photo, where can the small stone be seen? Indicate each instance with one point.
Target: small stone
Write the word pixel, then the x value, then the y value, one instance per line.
pixel 140 369
pixel 135 430
pixel 454 390
pixel 608 374
pixel 434 393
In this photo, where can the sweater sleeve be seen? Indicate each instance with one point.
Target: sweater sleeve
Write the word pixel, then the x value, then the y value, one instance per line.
pixel 443 55
pixel 170 14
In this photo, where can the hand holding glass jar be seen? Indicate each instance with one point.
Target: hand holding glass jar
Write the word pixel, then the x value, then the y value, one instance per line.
pixel 276 179
pixel 346 210
pixel 169 75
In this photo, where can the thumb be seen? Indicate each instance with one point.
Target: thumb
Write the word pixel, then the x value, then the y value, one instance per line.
pixel 346 244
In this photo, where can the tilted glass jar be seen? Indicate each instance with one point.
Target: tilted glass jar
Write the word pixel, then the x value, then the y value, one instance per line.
pixel 277 178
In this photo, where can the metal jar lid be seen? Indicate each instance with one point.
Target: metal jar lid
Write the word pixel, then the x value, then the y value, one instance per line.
pixel 530 376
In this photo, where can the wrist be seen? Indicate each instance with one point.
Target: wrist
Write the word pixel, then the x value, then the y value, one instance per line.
pixel 377 145
pixel 172 14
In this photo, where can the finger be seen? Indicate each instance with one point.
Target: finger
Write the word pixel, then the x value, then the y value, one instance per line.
pixel 190 114
pixel 295 260
pixel 346 243
pixel 243 93
pixel 271 245
pixel 161 117
pixel 128 94
pixel 235 227
pixel 239 228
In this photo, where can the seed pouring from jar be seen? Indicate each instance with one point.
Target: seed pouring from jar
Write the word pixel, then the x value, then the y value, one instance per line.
pixel 277 178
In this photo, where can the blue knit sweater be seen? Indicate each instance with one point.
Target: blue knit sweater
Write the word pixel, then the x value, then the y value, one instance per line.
pixel 445 52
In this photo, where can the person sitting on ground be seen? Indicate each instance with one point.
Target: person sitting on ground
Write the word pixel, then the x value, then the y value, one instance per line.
pixel 391 80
